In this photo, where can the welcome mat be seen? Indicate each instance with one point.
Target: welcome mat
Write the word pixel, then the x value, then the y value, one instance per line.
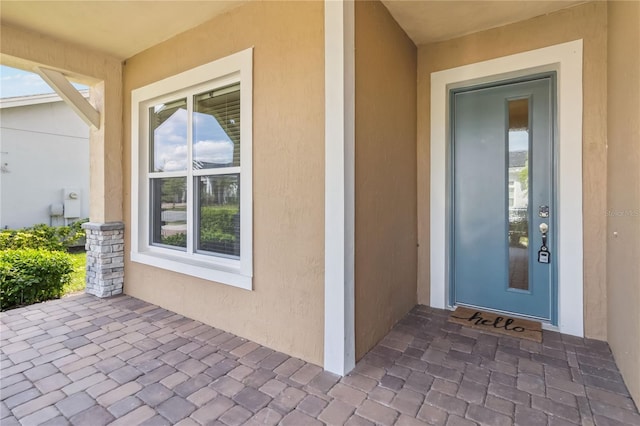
pixel 497 323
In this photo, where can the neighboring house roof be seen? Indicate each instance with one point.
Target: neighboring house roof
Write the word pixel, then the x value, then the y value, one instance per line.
pixel 18 101
pixel 518 158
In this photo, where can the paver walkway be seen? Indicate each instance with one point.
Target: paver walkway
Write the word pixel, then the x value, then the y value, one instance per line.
pixel 88 361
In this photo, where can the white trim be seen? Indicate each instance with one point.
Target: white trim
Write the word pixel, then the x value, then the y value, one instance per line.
pixel 339 298
pixel 238 273
pixel 203 271
pixel 72 96
pixel 566 60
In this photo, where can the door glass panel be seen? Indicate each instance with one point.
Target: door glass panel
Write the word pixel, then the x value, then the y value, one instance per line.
pixel 518 194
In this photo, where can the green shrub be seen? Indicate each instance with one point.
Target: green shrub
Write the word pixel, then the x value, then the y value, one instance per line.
pixel 28 276
pixel 52 238
pixel 219 220
pixel 178 240
pixel 212 235
pixel 218 226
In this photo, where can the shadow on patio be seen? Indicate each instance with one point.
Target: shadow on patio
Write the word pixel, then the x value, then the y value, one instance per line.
pixel 88 361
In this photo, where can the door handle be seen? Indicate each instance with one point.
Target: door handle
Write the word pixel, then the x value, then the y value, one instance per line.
pixel 544 228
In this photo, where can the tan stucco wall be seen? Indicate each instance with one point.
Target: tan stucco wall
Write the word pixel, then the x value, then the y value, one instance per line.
pixel 24 49
pixel 623 203
pixel 385 186
pixel 587 22
pixel 285 311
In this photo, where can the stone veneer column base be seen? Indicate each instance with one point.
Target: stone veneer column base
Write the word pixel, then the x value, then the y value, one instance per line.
pixel 105 258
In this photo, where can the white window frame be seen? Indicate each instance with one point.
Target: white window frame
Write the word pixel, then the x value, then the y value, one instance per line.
pixel 236 68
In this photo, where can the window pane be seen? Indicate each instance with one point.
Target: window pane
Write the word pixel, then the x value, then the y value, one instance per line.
pixel 519 194
pixel 168 136
pixel 169 211
pixel 216 128
pixel 218 213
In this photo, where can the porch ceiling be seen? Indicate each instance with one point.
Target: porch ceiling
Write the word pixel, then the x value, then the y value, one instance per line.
pixel 427 21
pixel 125 28
pixel 118 28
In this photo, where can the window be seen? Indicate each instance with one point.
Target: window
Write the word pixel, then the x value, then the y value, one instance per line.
pixel 512 192
pixel 191 172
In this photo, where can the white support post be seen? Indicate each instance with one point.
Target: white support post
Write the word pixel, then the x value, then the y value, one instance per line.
pixel 339 301
pixel 70 95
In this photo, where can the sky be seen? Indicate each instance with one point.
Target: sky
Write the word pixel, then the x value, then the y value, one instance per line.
pixel 14 82
pixel 518 140
pixel 211 143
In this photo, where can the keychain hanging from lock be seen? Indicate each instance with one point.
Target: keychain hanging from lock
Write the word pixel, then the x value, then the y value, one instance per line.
pixel 544 256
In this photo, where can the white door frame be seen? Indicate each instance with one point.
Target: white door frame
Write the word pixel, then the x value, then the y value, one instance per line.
pixel 566 60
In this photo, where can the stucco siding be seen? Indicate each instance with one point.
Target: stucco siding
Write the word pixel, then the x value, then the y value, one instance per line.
pixel 623 203
pixel 587 22
pixel 285 309
pixel 385 174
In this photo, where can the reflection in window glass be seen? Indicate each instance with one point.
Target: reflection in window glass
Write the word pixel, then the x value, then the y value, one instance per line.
pixel 218 213
pixel 518 142
pixel 169 211
pixel 216 128
pixel 168 134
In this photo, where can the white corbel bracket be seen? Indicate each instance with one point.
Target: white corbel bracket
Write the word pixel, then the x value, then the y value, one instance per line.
pixel 70 95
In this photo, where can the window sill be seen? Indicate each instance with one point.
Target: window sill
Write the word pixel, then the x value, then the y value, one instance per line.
pixel 195 268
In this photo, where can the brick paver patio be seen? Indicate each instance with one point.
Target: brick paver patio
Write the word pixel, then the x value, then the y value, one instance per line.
pixel 88 361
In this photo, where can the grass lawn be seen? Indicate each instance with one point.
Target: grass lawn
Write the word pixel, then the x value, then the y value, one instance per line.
pixel 77 282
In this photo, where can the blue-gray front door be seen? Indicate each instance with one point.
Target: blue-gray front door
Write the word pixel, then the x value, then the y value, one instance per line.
pixel 502 184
